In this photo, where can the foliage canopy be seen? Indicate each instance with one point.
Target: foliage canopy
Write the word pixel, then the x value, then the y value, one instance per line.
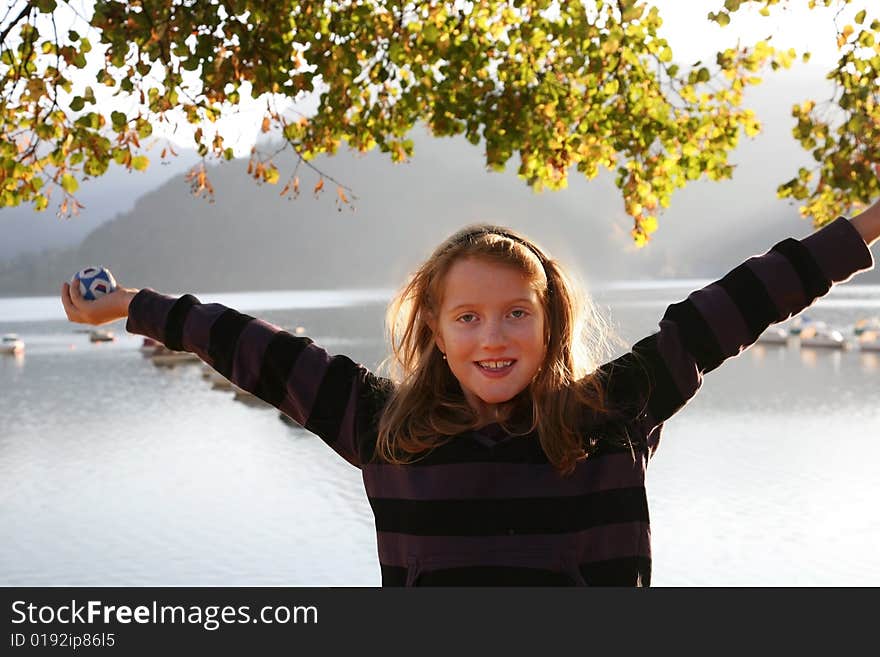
pixel 586 84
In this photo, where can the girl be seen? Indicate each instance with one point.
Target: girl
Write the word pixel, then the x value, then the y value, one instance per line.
pixel 496 451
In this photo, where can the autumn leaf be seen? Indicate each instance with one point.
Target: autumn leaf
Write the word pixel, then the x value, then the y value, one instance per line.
pixel 69 184
pixel 548 93
pixel 271 175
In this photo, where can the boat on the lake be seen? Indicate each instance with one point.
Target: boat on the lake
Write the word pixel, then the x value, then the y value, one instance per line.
pixel 817 334
pixel 162 355
pixel 101 335
pixel 11 344
pixel 149 345
pixel 774 335
pixel 246 397
pixel 866 334
pixel 216 379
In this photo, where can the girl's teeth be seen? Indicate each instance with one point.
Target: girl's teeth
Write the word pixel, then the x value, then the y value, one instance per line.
pixel 496 365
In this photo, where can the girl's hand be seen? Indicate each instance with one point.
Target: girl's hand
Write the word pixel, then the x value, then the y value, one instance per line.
pixel 103 310
pixel 868 222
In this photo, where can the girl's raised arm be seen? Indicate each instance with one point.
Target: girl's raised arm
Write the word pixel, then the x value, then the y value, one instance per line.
pixel 665 370
pixel 332 396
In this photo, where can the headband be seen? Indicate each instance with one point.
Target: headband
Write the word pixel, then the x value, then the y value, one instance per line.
pixel 501 233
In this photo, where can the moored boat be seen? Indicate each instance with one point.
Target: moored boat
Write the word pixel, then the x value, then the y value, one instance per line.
pixel 774 335
pixel 101 335
pixel 246 397
pixel 162 355
pixel 149 345
pixel 866 334
pixel 819 334
pixel 11 344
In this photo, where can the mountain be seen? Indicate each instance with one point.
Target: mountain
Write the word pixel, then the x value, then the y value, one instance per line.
pixel 26 231
pixel 252 239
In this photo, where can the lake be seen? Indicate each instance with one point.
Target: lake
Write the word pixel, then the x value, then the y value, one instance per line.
pixel 116 472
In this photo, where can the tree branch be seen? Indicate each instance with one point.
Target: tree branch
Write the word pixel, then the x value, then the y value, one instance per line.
pixel 24 12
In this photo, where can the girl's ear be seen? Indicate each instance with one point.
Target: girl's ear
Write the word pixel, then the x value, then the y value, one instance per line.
pixel 431 321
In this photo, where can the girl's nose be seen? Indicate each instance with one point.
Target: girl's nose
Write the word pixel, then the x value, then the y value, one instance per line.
pixel 494 335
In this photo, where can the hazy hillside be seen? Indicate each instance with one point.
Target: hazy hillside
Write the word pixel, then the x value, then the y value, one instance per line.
pixel 250 238
pixel 26 231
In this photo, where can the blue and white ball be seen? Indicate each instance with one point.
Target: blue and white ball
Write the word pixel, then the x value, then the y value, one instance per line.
pixel 94 282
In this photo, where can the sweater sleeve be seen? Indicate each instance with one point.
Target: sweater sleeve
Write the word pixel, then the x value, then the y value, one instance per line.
pixel 331 396
pixel 665 370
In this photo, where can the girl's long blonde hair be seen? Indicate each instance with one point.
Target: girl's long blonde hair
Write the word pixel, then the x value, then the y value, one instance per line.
pixel 427 407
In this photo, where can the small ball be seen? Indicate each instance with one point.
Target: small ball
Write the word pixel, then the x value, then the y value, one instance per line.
pixel 94 282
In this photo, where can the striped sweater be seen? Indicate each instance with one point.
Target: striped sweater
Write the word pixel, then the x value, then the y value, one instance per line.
pixel 487 508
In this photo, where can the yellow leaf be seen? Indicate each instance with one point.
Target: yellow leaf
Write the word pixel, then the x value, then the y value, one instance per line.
pixel 140 163
pixel 69 183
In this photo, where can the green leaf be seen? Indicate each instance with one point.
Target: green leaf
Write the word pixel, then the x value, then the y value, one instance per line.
pixel 144 128
pixel 860 17
pixel 77 103
pixel 140 162
pixel 119 120
pixel 69 184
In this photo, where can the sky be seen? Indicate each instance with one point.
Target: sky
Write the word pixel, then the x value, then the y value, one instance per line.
pixel 792 25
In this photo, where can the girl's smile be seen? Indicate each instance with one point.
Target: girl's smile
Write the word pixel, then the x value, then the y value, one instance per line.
pixel 495 368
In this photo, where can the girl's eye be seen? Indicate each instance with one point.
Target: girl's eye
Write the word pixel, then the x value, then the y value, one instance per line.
pixel 465 316
pixel 523 313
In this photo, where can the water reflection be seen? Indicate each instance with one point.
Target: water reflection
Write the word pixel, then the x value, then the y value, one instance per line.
pixel 15 360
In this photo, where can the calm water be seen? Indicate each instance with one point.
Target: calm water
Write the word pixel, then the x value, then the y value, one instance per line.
pixel 117 472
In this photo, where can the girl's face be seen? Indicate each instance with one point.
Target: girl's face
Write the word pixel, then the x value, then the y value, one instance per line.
pixel 491 328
